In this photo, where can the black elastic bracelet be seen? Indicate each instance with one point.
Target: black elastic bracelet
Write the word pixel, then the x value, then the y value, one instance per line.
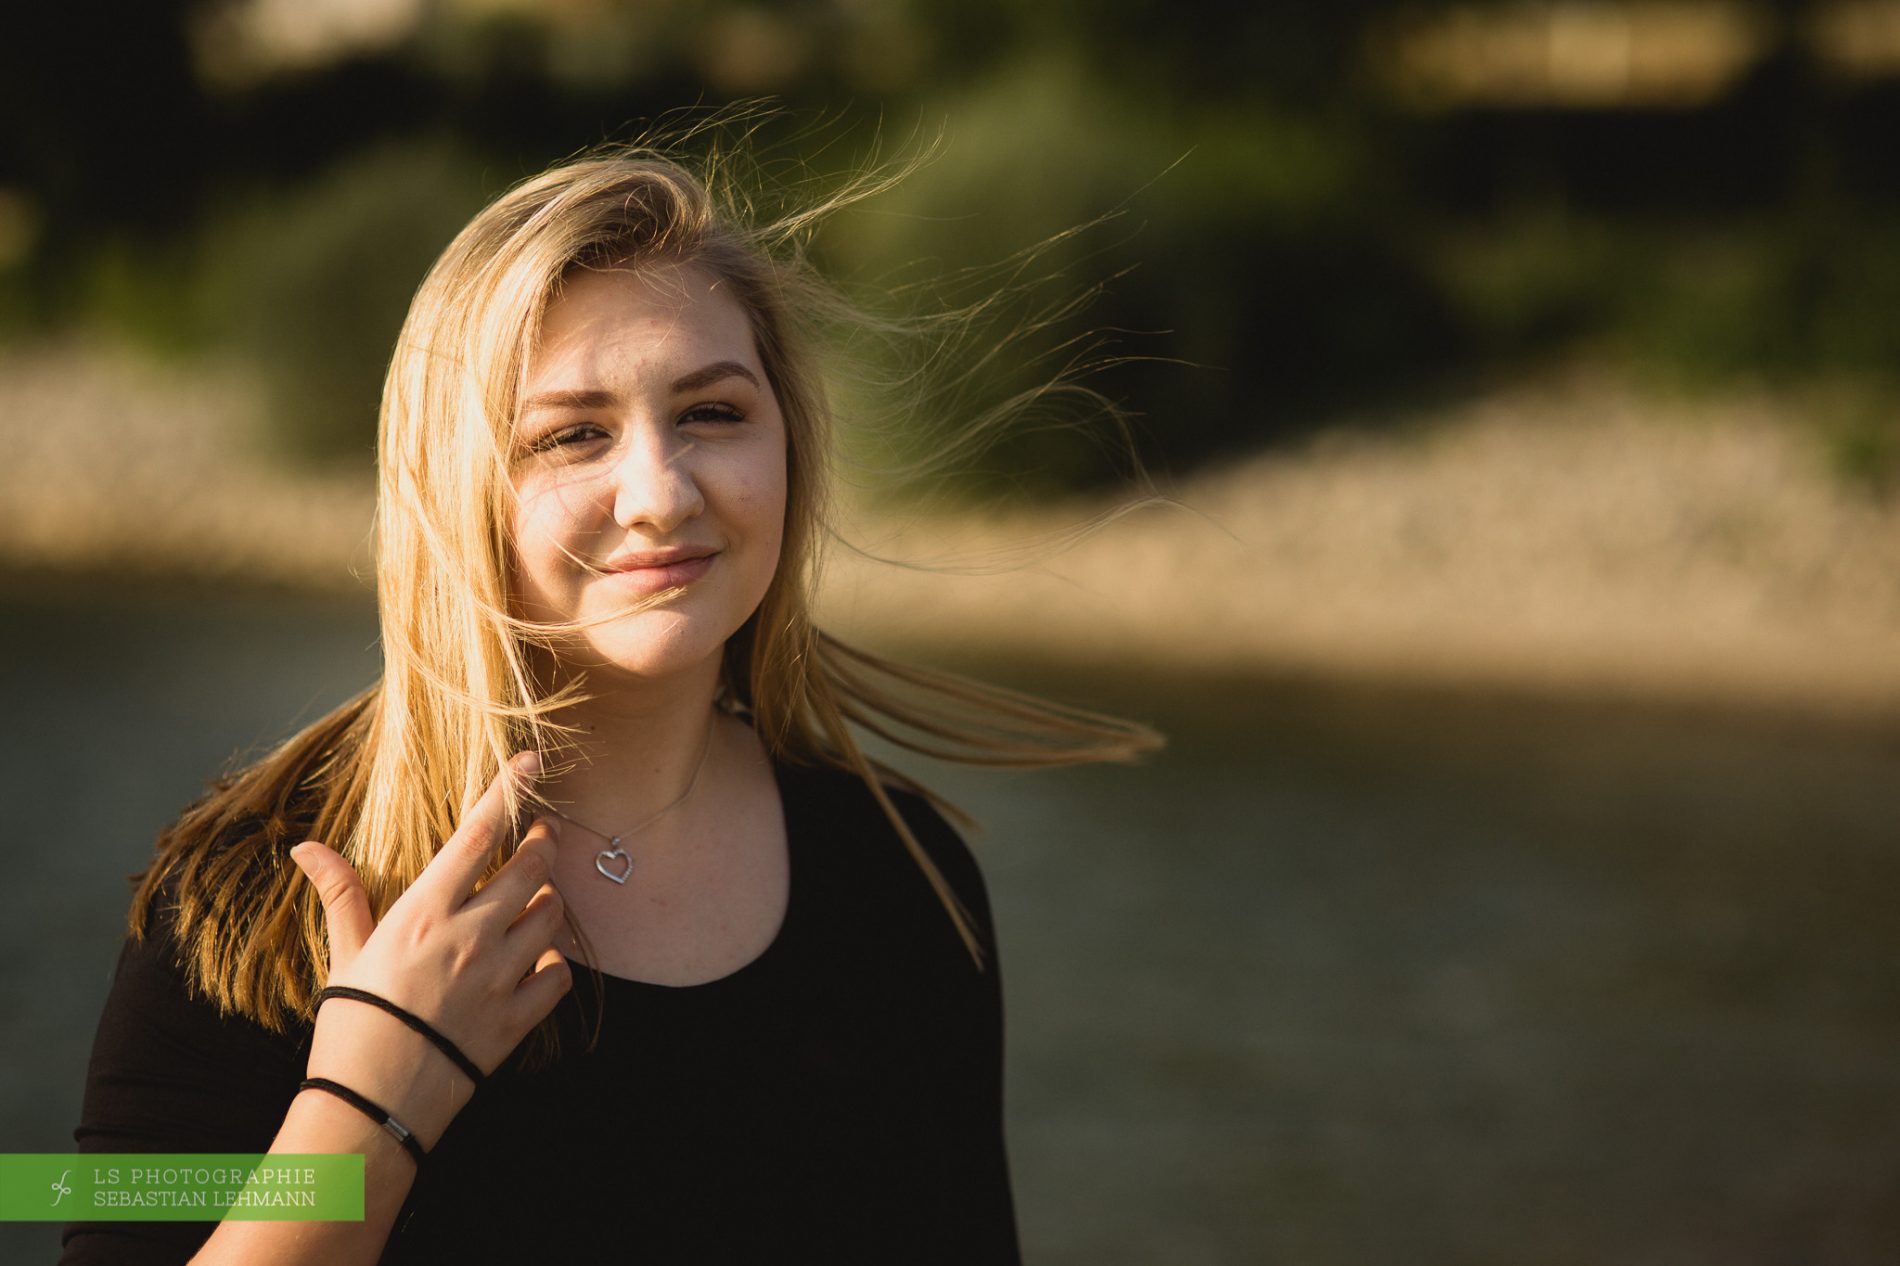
pixel 414 1021
pixel 369 1108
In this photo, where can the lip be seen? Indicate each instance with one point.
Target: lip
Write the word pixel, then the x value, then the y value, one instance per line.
pixel 651 571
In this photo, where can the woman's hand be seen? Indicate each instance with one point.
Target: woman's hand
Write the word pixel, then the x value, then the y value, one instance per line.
pixel 480 967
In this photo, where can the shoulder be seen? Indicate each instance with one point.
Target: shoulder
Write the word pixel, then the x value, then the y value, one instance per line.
pixel 844 802
pixel 153 986
pixel 152 960
pixel 170 1073
pixel 170 1070
pixel 161 991
pixel 836 804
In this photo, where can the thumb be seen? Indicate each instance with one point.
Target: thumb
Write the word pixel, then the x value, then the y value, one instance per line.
pixel 345 904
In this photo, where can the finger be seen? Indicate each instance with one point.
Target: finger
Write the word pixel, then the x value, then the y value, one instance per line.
pixel 525 873
pixel 451 876
pixel 530 937
pixel 346 913
pixel 536 996
pixel 544 909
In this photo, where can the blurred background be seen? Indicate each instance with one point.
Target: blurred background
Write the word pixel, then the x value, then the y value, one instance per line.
pixel 1507 420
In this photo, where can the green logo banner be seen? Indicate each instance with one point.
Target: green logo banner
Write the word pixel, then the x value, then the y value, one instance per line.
pixel 180 1187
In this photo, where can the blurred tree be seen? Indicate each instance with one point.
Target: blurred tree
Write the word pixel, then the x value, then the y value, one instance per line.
pixel 104 127
pixel 1295 220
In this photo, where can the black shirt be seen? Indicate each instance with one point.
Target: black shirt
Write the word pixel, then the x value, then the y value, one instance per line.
pixel 837 1100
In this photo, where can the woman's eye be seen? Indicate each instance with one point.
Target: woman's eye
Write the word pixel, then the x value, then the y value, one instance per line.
pixel 567 437
pixel 712 413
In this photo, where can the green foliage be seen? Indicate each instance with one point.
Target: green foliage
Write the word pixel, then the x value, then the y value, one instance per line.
pixel 1859 421
pixel 1227 186
pixel 1697 304
pixel 1140 244
pixel 140 291
pixel 311 283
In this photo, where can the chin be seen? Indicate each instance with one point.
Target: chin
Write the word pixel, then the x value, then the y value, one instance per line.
pixel 648 653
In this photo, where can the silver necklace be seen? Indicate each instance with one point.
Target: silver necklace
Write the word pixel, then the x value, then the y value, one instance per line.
pixel 615 862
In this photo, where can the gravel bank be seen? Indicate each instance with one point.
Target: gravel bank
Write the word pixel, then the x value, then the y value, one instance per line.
pixel 1571 537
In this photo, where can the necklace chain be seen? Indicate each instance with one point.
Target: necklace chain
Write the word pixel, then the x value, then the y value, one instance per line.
pixel 613 861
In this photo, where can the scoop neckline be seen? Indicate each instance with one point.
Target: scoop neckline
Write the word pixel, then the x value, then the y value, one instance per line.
pixel 753 965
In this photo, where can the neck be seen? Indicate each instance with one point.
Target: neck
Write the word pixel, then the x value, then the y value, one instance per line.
pixel 635 750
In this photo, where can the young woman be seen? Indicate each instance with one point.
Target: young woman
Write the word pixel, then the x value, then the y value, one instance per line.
pixel 589 925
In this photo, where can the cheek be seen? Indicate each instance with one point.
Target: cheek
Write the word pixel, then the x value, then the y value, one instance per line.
pixel 757 509
pixel 768 515
pixel 753 487
pixel 541 527
pixel 764 502
pixel 520 545
pixel 770 492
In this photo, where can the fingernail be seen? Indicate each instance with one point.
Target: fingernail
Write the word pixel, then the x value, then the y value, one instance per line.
pixel 527 764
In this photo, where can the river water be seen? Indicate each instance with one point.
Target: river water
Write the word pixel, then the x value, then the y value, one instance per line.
pixel 1345 976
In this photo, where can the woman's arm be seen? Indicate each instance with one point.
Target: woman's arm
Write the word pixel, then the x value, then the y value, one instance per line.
pixel 480 967
pixel 169 1074
pixel 318 1123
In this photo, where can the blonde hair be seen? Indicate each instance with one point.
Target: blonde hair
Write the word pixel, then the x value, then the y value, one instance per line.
pixel 390 772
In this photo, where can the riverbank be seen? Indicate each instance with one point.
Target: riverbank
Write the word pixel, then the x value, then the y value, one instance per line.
pixel 1572 537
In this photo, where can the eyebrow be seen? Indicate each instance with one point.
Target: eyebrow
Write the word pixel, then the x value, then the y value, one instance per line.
pixel 711 374
pixel 569 400
pixel 598 399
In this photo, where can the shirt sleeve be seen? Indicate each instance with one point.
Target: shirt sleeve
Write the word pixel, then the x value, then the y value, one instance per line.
pixel 980 1214
pixel 168 1073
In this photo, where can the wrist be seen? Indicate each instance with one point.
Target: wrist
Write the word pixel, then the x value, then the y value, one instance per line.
pixel 322 1122
pixel 387 1064
pixel 385 1120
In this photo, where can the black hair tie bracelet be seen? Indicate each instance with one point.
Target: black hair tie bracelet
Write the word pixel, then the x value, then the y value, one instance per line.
pixel 371 1109
pixel 414 1021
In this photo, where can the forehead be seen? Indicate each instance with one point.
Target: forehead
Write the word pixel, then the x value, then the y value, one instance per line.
pixel 625 323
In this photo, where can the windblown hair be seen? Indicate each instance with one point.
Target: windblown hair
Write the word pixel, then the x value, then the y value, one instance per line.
pixel 386 777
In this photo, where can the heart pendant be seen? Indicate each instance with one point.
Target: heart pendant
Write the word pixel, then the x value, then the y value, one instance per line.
pixel 607 858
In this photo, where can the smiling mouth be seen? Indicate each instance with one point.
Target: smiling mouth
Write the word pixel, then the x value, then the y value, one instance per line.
pixel 654 573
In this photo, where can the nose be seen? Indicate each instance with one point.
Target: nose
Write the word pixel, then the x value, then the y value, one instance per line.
pixel 654 484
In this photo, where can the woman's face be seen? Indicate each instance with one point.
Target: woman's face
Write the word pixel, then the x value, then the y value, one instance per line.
pixel 648 467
